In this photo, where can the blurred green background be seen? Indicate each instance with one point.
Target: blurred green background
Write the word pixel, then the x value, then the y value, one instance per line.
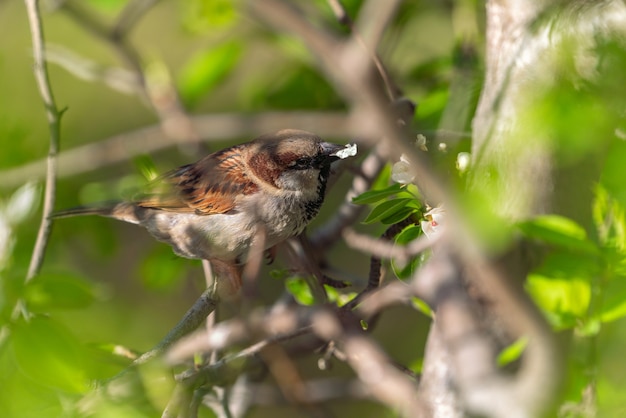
pixel 105 283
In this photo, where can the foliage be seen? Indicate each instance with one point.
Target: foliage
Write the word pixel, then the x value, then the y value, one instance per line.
pixel 103 286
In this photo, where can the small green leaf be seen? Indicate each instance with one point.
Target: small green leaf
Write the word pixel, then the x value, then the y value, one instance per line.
pixel 399 216
pixel 49 354
pixel 422 306
pixel 406 236
pixel 512 352
pixel 386 209
pixel 610 219
pixel 207 69
pixel 300 290
pixel 337 297
pixel 559 231
pixel 375 196
pixel 58 291
pixel 564 301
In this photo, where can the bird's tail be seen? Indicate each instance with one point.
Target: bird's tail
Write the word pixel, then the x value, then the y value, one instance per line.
pixel 124 211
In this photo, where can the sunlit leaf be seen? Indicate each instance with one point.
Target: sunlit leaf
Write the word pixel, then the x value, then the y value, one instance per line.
pixel 564 301
pixel 375 196
pixel 512 352
pixel 422 306
pixel 337 297
pixel 559 231
pixel 300 290
pixel 49 354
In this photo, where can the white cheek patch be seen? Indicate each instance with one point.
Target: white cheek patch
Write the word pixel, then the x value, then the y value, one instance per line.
pixel 348 151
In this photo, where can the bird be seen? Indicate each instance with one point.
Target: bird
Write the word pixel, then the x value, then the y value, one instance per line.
pixel 217 208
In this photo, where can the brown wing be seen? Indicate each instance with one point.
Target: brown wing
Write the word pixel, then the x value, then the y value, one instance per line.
pixel 206 187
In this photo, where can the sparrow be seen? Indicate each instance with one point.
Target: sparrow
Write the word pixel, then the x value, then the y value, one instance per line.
pixel 215 208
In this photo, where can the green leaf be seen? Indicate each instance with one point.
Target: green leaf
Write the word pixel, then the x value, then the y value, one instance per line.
pixel 399 216
pixel 565 301
pixel 422 306
pixel 614 300
pixel 207 69
pixel 375 196
pixel 609 219
pixel 49 354
pixel 337 297
pixel 386 209
pixel 300 290
pixel 58 291
pixel 563 264
pixel 512 352
pixel 406 236
pixel 559 231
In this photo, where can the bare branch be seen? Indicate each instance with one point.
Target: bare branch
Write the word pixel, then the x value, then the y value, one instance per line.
pixel 54 121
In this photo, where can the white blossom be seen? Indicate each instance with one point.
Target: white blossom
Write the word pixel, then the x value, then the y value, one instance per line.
pixel 434 223
pixel 401 171
pixel 463 160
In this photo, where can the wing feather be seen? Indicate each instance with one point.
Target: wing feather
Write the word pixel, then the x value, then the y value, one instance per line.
pixel 209 186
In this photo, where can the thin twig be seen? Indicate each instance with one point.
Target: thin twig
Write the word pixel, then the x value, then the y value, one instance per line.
pixel 342 17
pixel 54 124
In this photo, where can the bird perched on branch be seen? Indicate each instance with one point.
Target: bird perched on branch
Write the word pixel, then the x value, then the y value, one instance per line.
pixel 219 207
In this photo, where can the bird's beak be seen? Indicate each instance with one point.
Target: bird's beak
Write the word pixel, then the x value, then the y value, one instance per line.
pixel 338 152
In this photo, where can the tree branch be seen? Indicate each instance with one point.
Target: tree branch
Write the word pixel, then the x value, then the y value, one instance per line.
pixel 54 121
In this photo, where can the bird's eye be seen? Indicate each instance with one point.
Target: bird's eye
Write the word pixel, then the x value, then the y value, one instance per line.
pixel 301 163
